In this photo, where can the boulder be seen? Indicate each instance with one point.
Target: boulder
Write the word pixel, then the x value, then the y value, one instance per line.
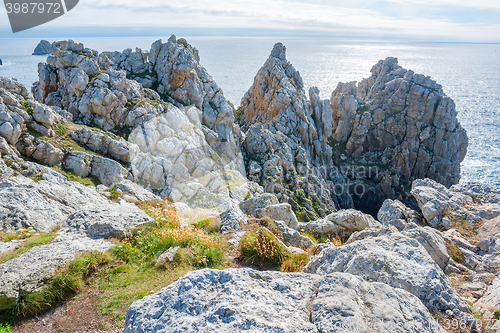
pixel 244 299
pixel 432 240
pixel 48 203
pixel 348 303
pixel 230 300
pixel 136 190
pixel 396 260
pixel 342 224
pixel 292 237
pixel 232 219
pixel 106 221
pixel 394 212
pixel 471 202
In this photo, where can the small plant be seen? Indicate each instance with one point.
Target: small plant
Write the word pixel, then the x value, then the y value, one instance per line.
pixel 26 107
pixel 454 252
pixel 295 263
pixel 5 328
pixel 29 243
pixel 264 248
pixel 60 130
pixel 209 225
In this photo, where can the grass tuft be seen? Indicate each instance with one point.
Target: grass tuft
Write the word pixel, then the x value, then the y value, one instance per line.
pixel 27 244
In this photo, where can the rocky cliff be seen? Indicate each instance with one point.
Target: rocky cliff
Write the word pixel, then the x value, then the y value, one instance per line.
pixel 141 127
pixel 366 144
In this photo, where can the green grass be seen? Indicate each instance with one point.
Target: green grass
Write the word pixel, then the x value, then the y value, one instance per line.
pixel 26 107
pixel 209 225
pixel 65 282
pixel 87 181
pixel 28 244
pixel 5 328
pixel 129 271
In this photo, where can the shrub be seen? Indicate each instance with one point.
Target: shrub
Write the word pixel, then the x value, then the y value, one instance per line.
pixel 263 248
pixel 454 251
pixel 209 225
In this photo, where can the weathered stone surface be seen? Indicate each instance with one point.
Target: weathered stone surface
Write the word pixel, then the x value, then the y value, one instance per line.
pixel 119 149
pixel 472 201
pixel 292 237
pixel 136 190
pixel 394 212
pixel 109 220
pixel 240 300
pixel 254 205
pixel 174 158
pixel 491 299
pixel 433 241
pixel 342 223
pixel 347 303
pixel 396 260
pixel 167 255
pixel 231 300
pixel 6 246
pixel 281 212
pixel 28 272
pixel 48 203
pixel 232 219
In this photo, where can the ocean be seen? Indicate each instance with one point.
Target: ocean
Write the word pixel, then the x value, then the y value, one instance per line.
pixel 469 74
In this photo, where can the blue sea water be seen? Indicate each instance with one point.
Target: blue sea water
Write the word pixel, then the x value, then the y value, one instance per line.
pixel 469 73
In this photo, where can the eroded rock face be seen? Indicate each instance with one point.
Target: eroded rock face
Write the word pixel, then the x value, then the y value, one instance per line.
pixel 170 154
pixel 49 203
pixel 285 150
pixel 366 144
pixel 247 300
pixel 403 122
pixel 396 260
pixel 81 81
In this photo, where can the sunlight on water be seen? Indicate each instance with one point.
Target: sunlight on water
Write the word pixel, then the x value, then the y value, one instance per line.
pixel 468 74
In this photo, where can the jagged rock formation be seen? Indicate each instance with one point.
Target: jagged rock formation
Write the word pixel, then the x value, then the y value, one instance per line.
pixel 179 151
pixel 367 144
pixel 1 63
pixel 42 48
pixel 285 151
pixel 243 299
pixel 81 81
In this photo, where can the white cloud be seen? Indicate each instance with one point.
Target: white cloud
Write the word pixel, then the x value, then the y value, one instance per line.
pixel 320 15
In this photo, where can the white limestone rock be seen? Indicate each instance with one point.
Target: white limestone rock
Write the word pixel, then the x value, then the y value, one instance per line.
pixel 396 260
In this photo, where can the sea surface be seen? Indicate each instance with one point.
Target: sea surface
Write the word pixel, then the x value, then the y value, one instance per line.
pixel 469 74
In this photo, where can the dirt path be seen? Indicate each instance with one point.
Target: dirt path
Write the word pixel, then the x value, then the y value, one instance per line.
pixel 78 315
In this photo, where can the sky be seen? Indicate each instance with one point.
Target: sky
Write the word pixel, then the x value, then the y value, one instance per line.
pixel 420 20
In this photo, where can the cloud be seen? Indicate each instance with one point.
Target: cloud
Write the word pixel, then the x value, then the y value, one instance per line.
pixel 423 19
